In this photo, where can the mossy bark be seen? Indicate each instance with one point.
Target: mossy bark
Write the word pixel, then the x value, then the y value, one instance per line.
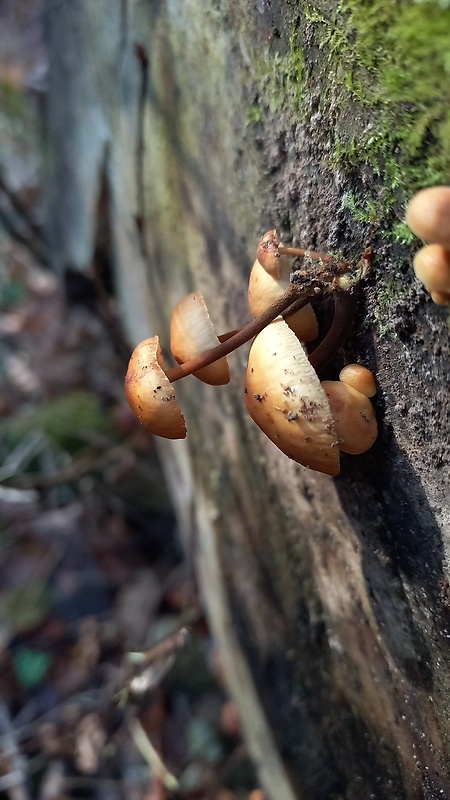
pixel 206 124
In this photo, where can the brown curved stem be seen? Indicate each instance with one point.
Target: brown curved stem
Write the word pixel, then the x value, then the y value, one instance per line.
pixel 296 306
pixel 300 251
pixel 344 314
pixel 241 337
pixel 290 302
pixel 223 337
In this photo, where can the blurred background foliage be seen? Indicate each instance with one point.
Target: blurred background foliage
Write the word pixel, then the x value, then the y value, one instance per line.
pixel 110 684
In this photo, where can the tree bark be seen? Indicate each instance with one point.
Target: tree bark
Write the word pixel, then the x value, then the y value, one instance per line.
pixel 200 126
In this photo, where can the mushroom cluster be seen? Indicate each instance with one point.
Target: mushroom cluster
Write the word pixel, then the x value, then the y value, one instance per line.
pixel 428 216
pixel 309 421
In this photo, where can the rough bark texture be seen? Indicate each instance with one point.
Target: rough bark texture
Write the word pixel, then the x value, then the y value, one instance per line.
pixel 204 124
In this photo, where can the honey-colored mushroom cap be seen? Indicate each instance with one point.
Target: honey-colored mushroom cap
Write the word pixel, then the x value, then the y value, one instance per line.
pixel 441 298
pixel 191 333
pixel 432 267
pixel 150 394
pixel 264 288
pixel 268 256
pixel 354 417
pixel 428 215
pixel 284 397
pixel 359 378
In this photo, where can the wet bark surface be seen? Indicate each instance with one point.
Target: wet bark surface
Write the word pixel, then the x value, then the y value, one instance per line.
pixel 329 597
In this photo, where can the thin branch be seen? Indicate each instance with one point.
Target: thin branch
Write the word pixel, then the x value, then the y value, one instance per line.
pixel 14 782
pixel 148 752
pixel 20 209
pixel 24 236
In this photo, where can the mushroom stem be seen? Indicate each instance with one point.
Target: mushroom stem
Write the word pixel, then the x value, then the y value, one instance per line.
pixel 344 313
pixel 292 299
pixel 244 335
pixel 295 306
pixel 223 337
pixel 300 251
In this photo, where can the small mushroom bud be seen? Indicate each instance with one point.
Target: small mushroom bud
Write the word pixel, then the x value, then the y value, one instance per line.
pixel 284 397
pixel 150 393
pixel 268 256
pixel 354 417
pixel 264 288
pixel 359 378
pixel 428 215
pixel 432 267
pixel 269 279
pixel 192 333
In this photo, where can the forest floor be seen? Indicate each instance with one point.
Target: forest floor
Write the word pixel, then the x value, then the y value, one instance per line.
pixel 110 685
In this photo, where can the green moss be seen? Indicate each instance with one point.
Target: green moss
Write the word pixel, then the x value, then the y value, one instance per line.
pixel 393 61
pixel 12 100
pixel 385 85
pixel 402 234
pixel 368 210
pixel 280 80
pixel 390 294
pixel 68 422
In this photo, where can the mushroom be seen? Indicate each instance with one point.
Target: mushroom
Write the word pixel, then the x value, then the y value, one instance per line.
pixel 269 278
pixel 284 397
pixel 432 267
pixel 428 215
pixel 441 298
pixel 268 255
pixel 308 421
pixel 359 378
pixel 354 417
pixel 264 288
pixel 192 333
pixel 298 416
pixel 150 393
pixel 148 383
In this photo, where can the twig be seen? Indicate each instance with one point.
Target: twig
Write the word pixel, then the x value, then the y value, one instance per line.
pixel 14 782
pixel 20 209
pixel 160 651
pixel 24 237
pixel 150 755
pixel 73 471
pixel 19 225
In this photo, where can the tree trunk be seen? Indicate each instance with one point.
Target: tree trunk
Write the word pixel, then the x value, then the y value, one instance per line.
pixel 201 125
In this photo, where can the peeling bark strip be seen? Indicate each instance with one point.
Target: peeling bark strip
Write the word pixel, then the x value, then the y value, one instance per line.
pixel 328 597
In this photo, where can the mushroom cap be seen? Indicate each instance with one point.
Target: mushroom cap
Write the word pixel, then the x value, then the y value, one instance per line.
pixel 359 378
pixel 441 298
pixel 432 267
pixel 284 397
pixel 150 394
pixel 191 333
pixel 265 288
pixel 268 256
pixel 354 417
pixel 428 215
